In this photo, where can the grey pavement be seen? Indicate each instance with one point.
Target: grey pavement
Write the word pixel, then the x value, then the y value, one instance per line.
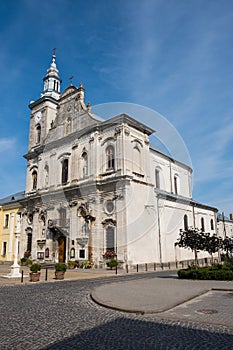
pixel 62 315
pixel 154 295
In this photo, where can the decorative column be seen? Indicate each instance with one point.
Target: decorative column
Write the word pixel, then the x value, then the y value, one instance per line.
pixel 15 267
pixel 10 250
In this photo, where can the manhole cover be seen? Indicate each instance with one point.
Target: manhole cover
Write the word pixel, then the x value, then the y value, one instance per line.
pixel 207 311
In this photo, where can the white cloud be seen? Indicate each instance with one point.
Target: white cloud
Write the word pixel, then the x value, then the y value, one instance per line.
pixel 6 144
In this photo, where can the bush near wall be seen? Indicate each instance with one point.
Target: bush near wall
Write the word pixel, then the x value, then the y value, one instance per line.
pixel 215 272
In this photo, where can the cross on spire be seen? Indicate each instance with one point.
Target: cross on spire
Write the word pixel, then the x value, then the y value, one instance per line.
pixel 70 79
pixel 54 51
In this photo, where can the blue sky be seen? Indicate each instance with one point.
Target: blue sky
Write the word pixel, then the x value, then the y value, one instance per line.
pixel 173 56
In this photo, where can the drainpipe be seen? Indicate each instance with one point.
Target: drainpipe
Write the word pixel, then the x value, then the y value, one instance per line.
pixel 160 248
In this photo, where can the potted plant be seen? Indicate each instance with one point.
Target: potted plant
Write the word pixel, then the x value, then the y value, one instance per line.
pixel 113 264
pixel 28 262
pixel 71 264
pixel 23 261
pixel 86 265
pixel 35 272
pixel 60 269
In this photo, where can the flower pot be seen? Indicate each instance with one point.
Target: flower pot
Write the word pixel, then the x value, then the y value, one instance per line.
pixel 34 276
pixel 71 267
pixel 59 275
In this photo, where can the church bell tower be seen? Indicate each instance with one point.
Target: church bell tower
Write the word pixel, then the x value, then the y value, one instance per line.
pixel 45 108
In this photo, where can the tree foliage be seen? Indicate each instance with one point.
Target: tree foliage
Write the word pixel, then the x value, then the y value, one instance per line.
pixel 197 240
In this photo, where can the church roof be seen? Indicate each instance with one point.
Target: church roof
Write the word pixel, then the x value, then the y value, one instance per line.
pixel 125 118
pixel 180 199
pixel 12 198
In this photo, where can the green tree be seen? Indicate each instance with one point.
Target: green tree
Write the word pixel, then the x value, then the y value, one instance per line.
pixel 211 243
pixel 227 245
pixel 191 239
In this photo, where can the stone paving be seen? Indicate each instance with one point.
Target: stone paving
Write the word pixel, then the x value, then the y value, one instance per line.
pixel 49 316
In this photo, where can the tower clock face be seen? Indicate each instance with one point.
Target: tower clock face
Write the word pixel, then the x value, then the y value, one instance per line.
pixel 38 116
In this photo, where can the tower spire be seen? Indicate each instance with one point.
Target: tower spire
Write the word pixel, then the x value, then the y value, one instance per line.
pixel 52 80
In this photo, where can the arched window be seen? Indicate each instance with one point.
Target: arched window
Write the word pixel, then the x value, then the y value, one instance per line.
pixel 34 180
pixel 38 133
pixel 72 252
pixel 110 238
pixel 47 253
pixel 85 164
pixel 136 160
pixel 185 222
pixel 202 224
pixel 176 179
pixel 212 224
pixel 157 178
pixel 110 159
pixel 64 175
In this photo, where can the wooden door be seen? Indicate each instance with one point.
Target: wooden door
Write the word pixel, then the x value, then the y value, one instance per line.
pixel 62 249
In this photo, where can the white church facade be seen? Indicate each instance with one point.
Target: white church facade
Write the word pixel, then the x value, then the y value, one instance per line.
pixel 94 185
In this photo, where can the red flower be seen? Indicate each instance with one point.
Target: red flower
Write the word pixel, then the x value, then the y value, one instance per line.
pixel 109 254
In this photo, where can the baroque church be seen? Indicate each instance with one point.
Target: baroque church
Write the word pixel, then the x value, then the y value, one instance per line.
pixel 94 185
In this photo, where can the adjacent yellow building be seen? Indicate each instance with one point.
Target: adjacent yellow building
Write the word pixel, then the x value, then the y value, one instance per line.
pixel 10 211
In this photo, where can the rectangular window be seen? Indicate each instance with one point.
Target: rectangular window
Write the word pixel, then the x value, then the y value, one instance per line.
pixel 40 255
pixel 4 245
pixel 6 220
pixel 82 254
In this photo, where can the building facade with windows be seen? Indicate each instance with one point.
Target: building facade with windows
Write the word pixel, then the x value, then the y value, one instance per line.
pixel 225 225
pixel 10 214
pixel 94 185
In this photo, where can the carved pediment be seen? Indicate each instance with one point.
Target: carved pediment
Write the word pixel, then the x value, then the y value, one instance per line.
pixel 82 241
pixel 68 91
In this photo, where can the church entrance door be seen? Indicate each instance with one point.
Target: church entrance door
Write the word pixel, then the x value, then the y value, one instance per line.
pixel 62 249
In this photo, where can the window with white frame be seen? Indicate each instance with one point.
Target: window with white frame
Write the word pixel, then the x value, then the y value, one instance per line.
pixel 84 164
pixel 81 253
pixel 211 224
pixel 6 220
pixel 185 222
pixel 4 246
pixel 110 158
pixel 64 174
pixel 202 224
pixel 110 238
pixel 157 178
pixel 176 183
pixel 34 180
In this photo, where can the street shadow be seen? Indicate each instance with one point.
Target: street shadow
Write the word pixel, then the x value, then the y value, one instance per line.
pixel 128 333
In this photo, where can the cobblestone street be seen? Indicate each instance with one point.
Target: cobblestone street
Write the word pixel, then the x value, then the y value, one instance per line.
pixel 62 316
